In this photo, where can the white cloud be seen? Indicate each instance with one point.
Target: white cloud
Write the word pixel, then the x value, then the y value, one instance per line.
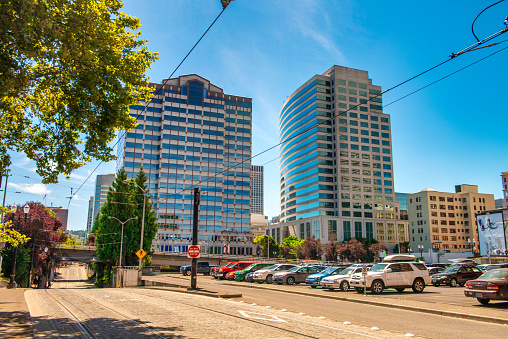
pixel 31 188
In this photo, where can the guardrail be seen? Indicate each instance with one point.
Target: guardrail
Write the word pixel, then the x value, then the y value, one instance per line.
pixel 76 247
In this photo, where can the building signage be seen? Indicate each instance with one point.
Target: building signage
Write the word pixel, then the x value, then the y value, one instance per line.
pixel 491 234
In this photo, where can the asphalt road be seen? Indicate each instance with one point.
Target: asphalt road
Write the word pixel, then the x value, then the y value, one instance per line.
pixel 263 313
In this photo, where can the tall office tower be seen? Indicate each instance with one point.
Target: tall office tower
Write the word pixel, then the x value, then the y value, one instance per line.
pixel 102 184
pixel 61 214
pixel 504 181
pixel 89 219
pixel 256 189
pixel 192 134
pixel 446 221
pixel 336 160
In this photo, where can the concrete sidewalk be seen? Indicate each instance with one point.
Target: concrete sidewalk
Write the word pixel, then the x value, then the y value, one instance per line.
pixel 478 313
pixel 15 320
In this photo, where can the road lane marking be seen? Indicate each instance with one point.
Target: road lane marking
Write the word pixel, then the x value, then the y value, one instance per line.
pixel 262 316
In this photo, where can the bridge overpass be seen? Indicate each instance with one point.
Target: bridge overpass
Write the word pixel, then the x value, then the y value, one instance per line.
pixel 87 254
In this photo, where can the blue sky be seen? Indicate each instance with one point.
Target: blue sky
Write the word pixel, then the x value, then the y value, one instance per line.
pixel 451 133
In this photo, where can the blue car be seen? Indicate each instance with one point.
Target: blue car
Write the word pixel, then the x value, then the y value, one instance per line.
pixel 249 277
pixel 314 279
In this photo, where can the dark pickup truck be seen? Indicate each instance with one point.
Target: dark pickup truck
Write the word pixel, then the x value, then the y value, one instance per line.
pixel 202 267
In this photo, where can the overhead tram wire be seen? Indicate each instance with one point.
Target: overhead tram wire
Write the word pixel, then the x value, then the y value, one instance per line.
pixel 370 100
pixel 452 56
pixel 472 25
pixel 157 92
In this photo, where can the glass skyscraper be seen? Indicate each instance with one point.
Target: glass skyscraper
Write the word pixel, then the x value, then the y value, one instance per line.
pixel 193 134
pixel 336 169
pixel 256 190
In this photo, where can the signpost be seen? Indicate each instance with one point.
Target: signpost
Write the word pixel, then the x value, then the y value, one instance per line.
pixel 364 273
pixel 194 251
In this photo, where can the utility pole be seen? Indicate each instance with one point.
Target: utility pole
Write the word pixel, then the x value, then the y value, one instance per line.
pixel 195 221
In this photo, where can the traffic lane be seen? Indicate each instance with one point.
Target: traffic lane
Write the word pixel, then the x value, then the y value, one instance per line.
pixel 440 295
pixel 421 324
pixel 198 316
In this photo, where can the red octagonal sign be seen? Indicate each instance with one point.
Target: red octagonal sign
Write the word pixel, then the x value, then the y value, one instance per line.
pixel 194 251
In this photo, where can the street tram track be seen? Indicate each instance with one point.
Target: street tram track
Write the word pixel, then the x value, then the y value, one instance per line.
pixel 300 334
pixel 86 329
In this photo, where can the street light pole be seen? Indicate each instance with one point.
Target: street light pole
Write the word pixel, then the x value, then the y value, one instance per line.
pixel 142 218
pixel 121 240
pixel 12 282
pixel 195 223
pixel 420 247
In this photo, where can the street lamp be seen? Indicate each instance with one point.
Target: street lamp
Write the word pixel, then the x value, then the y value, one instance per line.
pixel 143 217
pixel 420 248
pixel 473 248
pixel 121 241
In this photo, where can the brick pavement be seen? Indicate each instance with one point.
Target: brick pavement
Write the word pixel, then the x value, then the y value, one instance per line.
pixel 15 321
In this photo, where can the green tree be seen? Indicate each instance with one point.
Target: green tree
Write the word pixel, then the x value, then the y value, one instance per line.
pixel 138 187
pixel 264 240
pixel 292 245
pixel 401 248
pixel 68 72
pixel 108 231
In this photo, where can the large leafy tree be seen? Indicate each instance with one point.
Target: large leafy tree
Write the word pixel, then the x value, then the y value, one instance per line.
pixel 69 69
pixel 351 251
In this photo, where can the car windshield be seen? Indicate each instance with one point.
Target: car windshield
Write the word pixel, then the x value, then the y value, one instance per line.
pixel 230 264
pixel 347 271
pixel 271 267
pixel 451 269
pixel 328 270
pixel 494 274
pixel 294 269
pixel 378 267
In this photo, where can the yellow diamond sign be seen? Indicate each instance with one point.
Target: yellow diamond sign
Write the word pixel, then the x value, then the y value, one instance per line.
pixel 141 253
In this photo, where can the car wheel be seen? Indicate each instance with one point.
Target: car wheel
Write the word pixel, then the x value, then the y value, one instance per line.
pixel 377 287
pixel 359 289
pixel 313 286
pixel 269 279
pixel 400 290
pixel 290 281
pixel 216 277
pixel 483 301
pixel 437 285
pixel 187 272
pixel 279 283
pixel 344 286
pixel 453 282
pixel 418 285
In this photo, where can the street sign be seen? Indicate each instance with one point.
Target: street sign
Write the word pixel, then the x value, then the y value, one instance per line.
pixel 364 270
pixel 194 251
pixel 141 253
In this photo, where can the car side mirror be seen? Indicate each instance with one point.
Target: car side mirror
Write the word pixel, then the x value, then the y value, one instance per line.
pixel 388 270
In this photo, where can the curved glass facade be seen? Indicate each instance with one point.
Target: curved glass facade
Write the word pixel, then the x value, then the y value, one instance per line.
pixel 336 167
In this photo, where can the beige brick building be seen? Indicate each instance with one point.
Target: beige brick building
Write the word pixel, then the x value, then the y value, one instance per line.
pixel 446 220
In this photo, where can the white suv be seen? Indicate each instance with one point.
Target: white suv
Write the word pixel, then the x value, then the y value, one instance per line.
pixel 397 275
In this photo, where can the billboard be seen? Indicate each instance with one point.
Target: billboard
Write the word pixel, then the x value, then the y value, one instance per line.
pixel 491 234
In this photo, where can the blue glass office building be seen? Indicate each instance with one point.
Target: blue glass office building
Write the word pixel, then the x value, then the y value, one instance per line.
pixel 336 170
pixel 194 134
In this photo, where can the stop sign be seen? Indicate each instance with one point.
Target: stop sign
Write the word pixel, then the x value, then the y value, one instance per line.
pixel 194 251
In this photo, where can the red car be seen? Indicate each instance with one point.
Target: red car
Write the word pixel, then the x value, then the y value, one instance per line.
pixel 492 285
pixel 220 272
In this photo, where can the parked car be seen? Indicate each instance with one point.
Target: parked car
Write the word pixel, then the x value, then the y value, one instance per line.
pixel 240 275
pixel 296 275
pixel 397 275
pixel 266 275
pixel 220 272
pixel 202 267
pixel 494 266
pixel 492 285
pixel 435 270
pixel 313 280
pixel 249 277
pixel 341 280
pixel 456 275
